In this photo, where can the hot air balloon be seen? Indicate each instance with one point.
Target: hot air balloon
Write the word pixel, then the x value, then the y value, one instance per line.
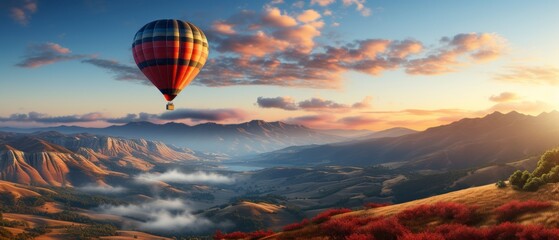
pixel 170 53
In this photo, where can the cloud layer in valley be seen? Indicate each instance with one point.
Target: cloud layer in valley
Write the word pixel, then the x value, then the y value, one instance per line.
pixel 175 176
pixel 162 215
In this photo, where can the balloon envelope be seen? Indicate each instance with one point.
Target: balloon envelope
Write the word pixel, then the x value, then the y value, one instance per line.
pixel 170 53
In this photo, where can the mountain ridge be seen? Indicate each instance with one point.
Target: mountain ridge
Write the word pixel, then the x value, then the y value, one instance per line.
pixel 493 139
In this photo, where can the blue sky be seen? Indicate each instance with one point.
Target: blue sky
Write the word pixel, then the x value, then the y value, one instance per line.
pixel 498 55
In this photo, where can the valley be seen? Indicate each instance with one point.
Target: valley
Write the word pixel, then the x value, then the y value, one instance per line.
pixel 145 186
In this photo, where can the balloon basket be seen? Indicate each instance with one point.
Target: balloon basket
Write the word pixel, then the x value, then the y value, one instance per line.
pixel 170 106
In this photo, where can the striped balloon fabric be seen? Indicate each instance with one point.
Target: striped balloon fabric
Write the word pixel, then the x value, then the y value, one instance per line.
pixel 170 53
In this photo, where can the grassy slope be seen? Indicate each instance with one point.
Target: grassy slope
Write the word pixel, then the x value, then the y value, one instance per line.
pixel 486 198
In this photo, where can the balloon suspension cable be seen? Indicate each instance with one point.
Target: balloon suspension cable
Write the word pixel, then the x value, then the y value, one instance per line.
pixel 170 106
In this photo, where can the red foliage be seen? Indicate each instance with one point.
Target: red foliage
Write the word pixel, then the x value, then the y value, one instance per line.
pixel 449 211
pixel 387 229
pixel 509 211
pixel 360 236
pixel 325 216
pixel 295 226
pixel 242 235
pixel 422 236
pixel 234 235
pixel 376 205
pixel 460 232
pixel 339 228
pixel 260 234
pixel 509 230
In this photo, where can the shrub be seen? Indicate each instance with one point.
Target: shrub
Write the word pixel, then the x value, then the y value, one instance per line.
pixel 360 236
pixel 460 232
pixel 423 236
pixel 509 211
pixel 260 234
pixel 234 235
pixel 547 161
pixel 295 226
pixel 447 211
pixel 533 184
pixel 516 179
pixel 552 176
pixel 339 228
pixel 325 216
pixel 386 229
pixel 372 205
pixel 501 184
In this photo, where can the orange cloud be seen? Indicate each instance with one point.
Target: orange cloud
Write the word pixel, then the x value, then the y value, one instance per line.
pixel 223 28
pixel 504 97
pixel 301 36
pixel 259 44
pixel 478 46
pixel 542 75
pixel 308 16
pixel 359 6
pixel 273 17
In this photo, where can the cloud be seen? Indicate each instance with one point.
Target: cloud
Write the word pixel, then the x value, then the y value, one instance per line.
pixel 121 71
pixel 179 114
pixel 205 114
pixel 132 117
pixel 46 53
pixel 102 189
pixel 358 121
pixel 479 47
pixel 259 44
pixel 504 97
pixel 286 103
pixel 365 103
pixel 23 11
pixel 273 17
pixel 44 118
pixel 311 120
pixel 359 6
pixel 174 176
pixel 319 104
pixel 223 28
pixel 322 2
pixel 308 16
pixel 313 104
pixel 162 215
pixel 540 75
pixel 521 106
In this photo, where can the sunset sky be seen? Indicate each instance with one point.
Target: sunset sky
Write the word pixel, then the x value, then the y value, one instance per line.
pixel 348 64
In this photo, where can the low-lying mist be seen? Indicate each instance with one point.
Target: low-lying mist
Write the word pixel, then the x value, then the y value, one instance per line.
pixel 161 215
pixel 175 176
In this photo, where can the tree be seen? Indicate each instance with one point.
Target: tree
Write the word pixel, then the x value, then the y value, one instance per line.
pixel 533 184
pixel 549 160
pixel 501 184
pixel 516 179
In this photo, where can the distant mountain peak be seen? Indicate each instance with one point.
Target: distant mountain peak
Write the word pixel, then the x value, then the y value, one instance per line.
pixel 140 123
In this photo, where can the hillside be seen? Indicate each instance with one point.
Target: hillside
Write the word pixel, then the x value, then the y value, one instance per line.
pixel 55 159
pixel 252 137
pixel 474 213
pixel 468 143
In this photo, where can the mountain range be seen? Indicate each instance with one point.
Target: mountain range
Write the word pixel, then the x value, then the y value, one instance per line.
pixel 252 137
pixel 471 142
pixel 55 159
